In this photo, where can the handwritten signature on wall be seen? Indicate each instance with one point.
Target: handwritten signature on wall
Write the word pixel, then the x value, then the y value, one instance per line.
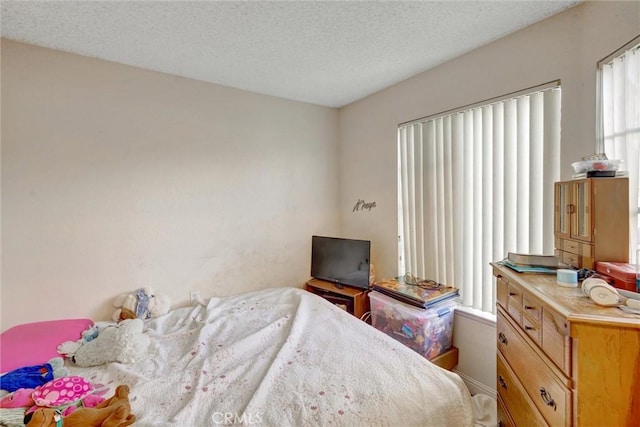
pixel 362 205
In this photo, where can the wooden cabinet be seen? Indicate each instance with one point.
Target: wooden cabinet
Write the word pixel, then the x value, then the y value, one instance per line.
pixel 591 221
pixel 353 300
pixel 561 359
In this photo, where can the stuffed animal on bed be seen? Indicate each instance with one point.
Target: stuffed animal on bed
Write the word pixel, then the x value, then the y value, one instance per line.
pixel 113 412
pixel 124 343
pixel 33 376
pixel 62 391
pixel 69 348
pixel 68 393
pixel 142 304
pixel 21 398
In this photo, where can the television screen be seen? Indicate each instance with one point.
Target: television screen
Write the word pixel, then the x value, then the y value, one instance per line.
pixel 341 261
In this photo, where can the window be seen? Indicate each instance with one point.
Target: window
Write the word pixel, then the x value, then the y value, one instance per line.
pixel 476 183
pixel 619 123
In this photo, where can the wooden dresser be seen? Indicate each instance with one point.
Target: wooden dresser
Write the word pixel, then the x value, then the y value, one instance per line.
pixel 561 359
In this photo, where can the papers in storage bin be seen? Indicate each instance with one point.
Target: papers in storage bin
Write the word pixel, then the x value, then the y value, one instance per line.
pixel 418 295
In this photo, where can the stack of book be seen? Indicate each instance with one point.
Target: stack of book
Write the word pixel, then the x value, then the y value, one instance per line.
pixel 422 293
pixel 527 263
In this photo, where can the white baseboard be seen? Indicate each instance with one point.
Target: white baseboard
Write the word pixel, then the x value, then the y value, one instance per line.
pixel 476 387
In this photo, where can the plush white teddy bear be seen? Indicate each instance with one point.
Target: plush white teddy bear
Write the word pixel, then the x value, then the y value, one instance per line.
pixel 159 305
pixel 124 343
pixel 142 304
pixel 124 302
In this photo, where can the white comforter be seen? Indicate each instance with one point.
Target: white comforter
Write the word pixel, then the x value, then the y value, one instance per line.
pixel 282 357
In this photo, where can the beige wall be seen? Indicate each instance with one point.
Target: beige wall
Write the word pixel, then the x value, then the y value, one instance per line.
pixel 566 47
pixel 114 178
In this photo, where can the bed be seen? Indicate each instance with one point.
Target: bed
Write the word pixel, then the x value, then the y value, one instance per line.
pixel 281 357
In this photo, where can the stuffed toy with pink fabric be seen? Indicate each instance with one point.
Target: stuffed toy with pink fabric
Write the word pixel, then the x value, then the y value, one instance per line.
pixel 69 392
pixel 21 398
pixel 62 391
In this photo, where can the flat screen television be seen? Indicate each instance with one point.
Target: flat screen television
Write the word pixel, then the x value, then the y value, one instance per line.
pixel 341 261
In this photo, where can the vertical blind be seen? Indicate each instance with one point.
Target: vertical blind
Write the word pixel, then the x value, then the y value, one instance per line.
pixel 620 123
pixel 474 184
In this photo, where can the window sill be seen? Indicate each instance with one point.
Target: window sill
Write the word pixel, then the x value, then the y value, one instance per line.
pixel 475 314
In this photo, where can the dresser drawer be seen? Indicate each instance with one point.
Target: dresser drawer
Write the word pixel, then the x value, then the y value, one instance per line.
pixel 532 329
pixel 502 291
pixel 504 420
pixel 521 409
pixel 532 317
pixel 515 302
pixel 573 260
pixel 549 393
pixel 532 307
pixel 571 246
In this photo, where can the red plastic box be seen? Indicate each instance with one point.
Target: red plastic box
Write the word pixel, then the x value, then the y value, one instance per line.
pixel 622 273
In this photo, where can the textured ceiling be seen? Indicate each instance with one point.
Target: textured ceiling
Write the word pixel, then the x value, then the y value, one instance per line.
pixel 327 53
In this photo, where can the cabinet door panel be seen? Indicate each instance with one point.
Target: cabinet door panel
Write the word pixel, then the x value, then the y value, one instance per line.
pixel 562 207
pixel 581 217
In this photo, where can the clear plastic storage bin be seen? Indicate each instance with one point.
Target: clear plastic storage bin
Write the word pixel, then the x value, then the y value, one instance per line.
pixel 426 331
pixel 596 165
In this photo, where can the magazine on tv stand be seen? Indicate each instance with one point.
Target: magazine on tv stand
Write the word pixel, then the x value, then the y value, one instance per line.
pixel 422 295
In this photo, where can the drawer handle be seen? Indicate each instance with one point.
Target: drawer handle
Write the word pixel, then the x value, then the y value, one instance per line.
pixel 546 397
pixel 529 307
pixel 502 338
pixel 513 294
pixel 529 328
pixel 502 382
